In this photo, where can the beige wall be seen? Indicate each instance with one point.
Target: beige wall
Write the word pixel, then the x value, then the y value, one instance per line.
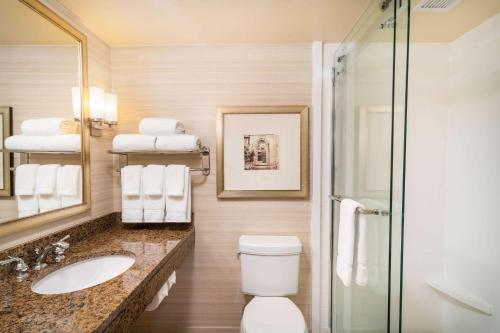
pixel 188 83
pixel 101 163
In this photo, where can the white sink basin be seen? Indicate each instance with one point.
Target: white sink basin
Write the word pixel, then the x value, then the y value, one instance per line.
pixel 83 274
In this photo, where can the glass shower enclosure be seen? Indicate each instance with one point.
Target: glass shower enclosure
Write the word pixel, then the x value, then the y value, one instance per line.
pixel 368 162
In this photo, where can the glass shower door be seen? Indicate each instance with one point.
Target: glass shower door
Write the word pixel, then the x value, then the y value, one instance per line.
pixel 368 163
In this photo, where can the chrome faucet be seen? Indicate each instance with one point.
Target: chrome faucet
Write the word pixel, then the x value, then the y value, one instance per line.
pixel 21 268
pixel 58 248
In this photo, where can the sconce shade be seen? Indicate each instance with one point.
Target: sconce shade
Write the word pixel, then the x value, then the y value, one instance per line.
pixel 96 103
pixel 111 108
pixel 76 98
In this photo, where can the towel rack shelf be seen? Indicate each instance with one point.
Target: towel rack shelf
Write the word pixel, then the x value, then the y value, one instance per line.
pixel 42 152
pixel 203 151
pixel 364 211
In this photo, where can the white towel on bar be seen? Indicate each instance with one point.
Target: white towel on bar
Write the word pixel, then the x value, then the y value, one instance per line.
pixel 25 179
pixel 178 142
pixel 69 185
pixel 46 179
pixel 131 180
pixel 154 215
pixel 48 202
pixel 153 179
pixel 174 180
pixel 134 142
pixel 27 205
pixel 24 143
pixel 160 126
pixel 179 207
pixel 347 264
pixel 132 215
pixel 48 126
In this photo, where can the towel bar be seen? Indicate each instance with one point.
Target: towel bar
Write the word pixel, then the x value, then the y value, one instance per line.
pixel 365 211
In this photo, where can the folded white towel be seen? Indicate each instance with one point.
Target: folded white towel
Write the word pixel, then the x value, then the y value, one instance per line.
pixel 178 142
pixel 346 262
pixel 160 126
pixel 25 179
pixel 174 179
pixel 48 202
pixel 49 126
pixel 131 180
pixel 134 142
pixel 162 293
pixel 23 143
pixel 46 179
pixel 66 143
pixel 179 207
pixel 69 185
pixel 154 215
pixel 27 205
pixel 153 179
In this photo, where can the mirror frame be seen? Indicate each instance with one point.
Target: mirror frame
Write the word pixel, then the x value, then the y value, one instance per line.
pixel 18 225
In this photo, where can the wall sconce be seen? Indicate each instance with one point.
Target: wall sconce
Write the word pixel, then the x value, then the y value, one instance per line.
pixel 103 108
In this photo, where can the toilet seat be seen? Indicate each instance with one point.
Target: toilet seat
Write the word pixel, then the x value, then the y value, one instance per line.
pixel 272 315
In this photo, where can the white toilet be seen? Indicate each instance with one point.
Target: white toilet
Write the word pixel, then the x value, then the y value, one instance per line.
pixel 270 271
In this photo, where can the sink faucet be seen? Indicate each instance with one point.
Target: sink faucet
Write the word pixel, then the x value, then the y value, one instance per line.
pixel 21 268
pixel 58 248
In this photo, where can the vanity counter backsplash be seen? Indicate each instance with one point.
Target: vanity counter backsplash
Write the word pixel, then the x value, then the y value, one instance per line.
pixel 111 306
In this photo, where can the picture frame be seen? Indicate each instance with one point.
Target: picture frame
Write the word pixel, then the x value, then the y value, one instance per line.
pixel 262 152
pixel 6 161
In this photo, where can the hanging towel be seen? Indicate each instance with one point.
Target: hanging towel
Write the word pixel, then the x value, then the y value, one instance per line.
pixel 347 264
pixel 178 142
pixel 46 179
pixel 174 180
pixel 49 126
pixel 160 126
pixel 153 179
pixel 69 185
pixel 131 179
pixel 27 205
pixel 48 202
pixel 134 142
pixel 25 179
pixel 131 215
pixel 179 207
pixel 160 295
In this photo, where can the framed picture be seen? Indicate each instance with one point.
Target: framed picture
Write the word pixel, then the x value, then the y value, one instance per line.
pixel 6 188
pixel 263 152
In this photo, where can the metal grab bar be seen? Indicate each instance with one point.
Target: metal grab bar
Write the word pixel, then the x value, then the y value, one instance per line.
pixel 364 211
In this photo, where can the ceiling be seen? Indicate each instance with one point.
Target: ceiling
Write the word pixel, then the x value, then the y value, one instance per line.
pixel 154 22
pixel 19 24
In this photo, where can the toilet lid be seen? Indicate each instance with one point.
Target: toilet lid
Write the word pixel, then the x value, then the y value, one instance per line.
pixel 272 315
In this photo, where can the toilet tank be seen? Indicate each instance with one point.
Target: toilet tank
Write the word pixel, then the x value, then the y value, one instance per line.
pixel 269 265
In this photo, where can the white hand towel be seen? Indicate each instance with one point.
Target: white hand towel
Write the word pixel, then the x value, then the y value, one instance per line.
pixel 49 126
pixel 69 185
pixel 346 262
pixel 131 180
pixel 23 143
pixel 178 142
pixel 174 180
pixel 153 179
pixel 25 179
pixel 134 142
pixel 27 205
pixel 48 202
pixel 154 215
pixel 179 208
pixel 132 215
pixel 162 293
pixel 65 142
pixel 46 179
pixel 160 126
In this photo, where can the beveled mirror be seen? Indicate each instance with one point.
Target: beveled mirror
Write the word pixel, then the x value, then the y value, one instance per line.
pixel 45 145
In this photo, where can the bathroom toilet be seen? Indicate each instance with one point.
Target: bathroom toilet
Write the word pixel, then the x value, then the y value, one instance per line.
pixel 270 272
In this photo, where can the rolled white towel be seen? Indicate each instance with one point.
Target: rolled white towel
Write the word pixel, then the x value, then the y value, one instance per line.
pixel 49 126
pixel 64 142
pixel 134 142
pixel 160 126
pixel 23 143
pixel 178 142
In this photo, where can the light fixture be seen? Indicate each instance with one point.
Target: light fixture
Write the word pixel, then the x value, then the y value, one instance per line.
pixel 111 109
pixel 76 98
pixel 103 109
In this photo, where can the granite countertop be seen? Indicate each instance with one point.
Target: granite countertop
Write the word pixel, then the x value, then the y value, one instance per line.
pixel 110 306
